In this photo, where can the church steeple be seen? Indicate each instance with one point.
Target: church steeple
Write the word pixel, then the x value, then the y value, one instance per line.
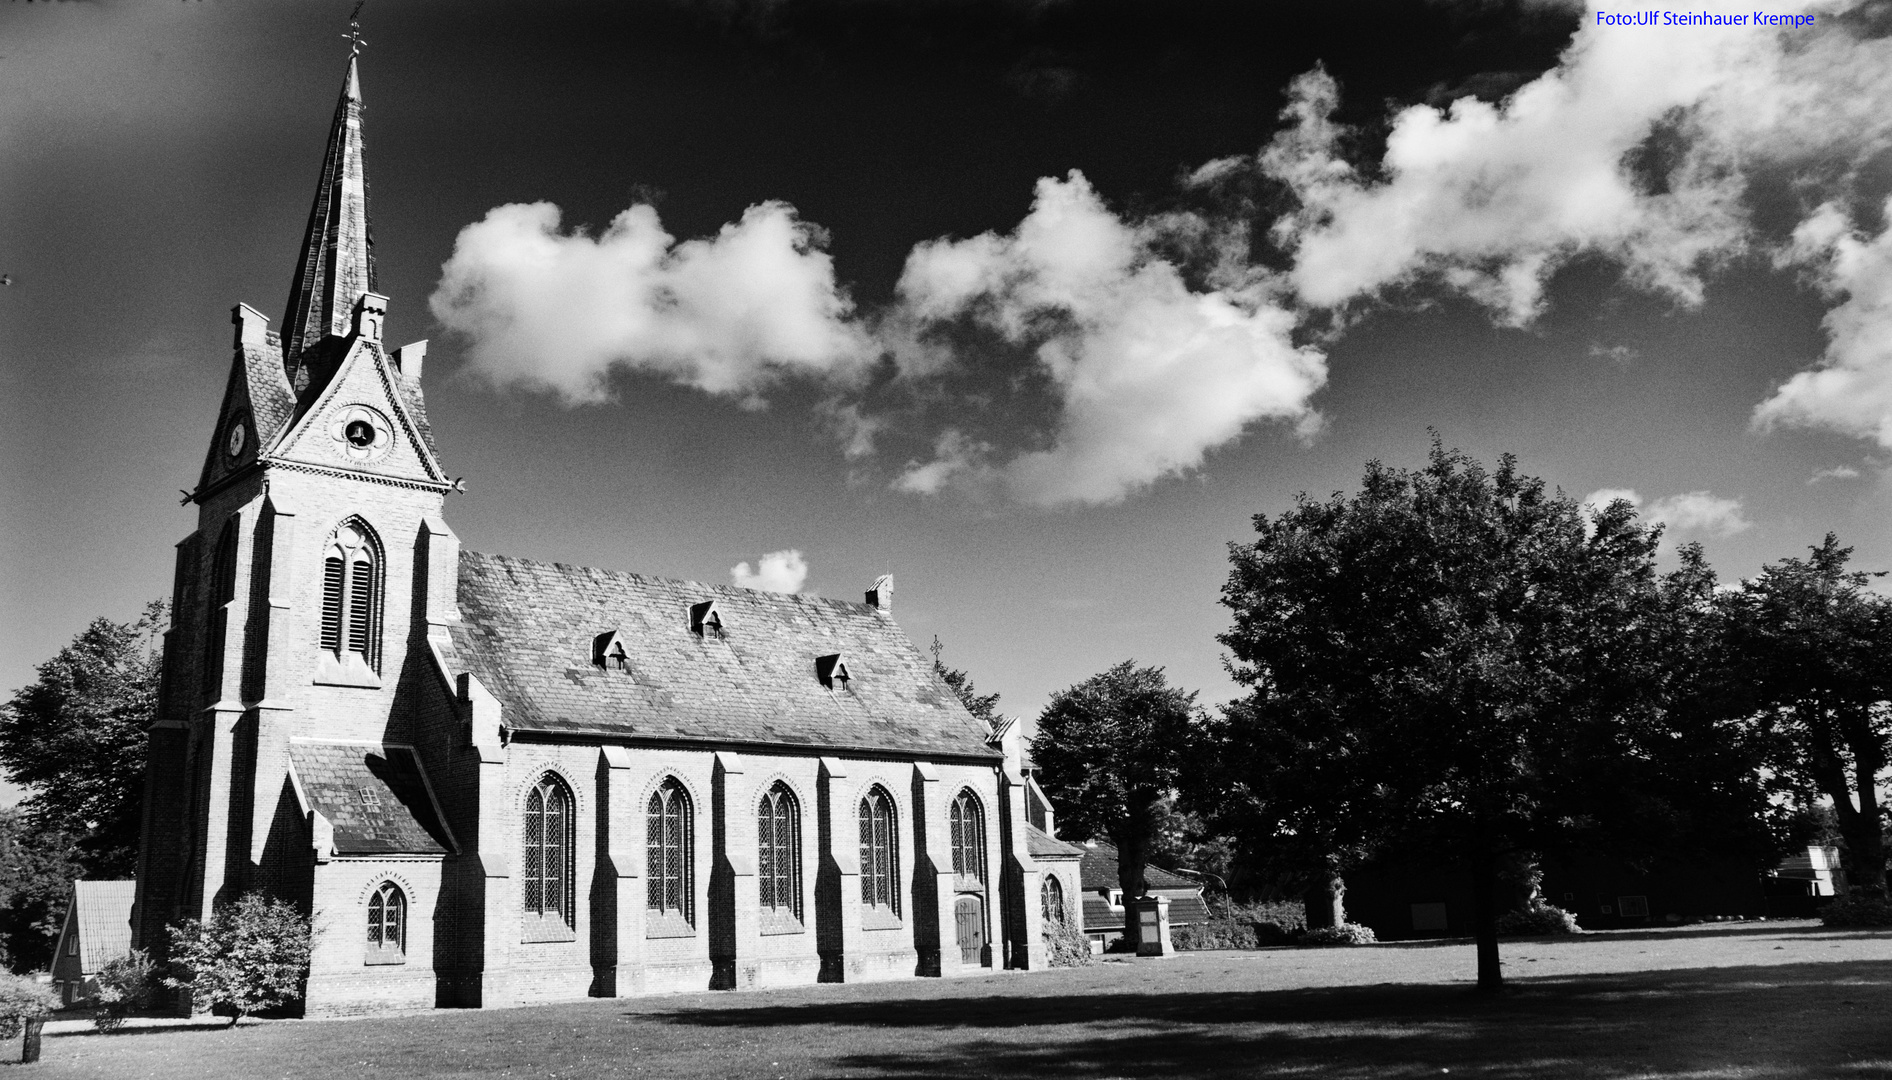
pixel 337 259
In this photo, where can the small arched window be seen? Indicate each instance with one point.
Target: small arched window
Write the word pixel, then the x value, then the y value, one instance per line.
pixel 778 843
pixel 549 826
pixel 669 829
pixel 880 852
pixel 222 591
pixel 351 594
pixel 1051 897
pixel 387 925
pixel 967 818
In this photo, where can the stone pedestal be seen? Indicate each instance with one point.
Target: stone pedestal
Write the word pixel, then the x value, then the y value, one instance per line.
pixel 1152 913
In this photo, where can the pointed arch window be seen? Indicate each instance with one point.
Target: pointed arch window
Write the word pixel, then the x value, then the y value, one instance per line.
pixel 967 819
pixel 778 843
pixel 670 854
pixel 880 852
pixel 387 925
pixel 222 592
pixel 1051 899
pixel 549 828
pixel 351 594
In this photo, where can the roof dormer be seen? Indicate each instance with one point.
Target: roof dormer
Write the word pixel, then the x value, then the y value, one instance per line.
pixel 608 652
pixel 832 671
pixel 705 620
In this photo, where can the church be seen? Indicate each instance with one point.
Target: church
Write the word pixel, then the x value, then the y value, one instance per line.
pixel 492 781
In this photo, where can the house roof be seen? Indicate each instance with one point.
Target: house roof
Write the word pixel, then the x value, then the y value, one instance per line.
pixel 101 913
pixel 374 796
pixel 1042 845
pixel 528 629
pixel 1099 870
pixel 1184 909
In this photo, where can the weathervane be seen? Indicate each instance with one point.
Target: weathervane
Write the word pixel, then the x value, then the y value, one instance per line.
pixel 354 29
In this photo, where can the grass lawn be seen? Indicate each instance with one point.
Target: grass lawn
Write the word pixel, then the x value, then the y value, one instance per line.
pixel 1729 1000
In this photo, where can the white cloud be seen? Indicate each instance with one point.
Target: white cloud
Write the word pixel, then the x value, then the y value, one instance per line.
pixel 1149 373
pixel 548 310
pixel 1837 472
pixel 1690 512
pixel 1490 199
pixel 778 571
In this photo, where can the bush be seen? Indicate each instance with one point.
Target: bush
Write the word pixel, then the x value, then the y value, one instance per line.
pixel 1066 944
pixel 124 988
pixel 1539 919
pixel 251 955
pixel 1242 926
pixel 22 998
pixel 1344 934
pixel 1856 910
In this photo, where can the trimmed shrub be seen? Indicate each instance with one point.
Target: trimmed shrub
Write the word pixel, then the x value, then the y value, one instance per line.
pixel 1066 944
pixel 1539 919
pixel 251 955
pixel 1242 926
pixel 1344 934
pixel 1856 910
pixel 125 984
pixel 22 998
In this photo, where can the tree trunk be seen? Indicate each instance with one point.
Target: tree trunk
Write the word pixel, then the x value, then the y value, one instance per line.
pixel 1133 854
pixel 1325 899
pixel 1866 843
pixel 1485 923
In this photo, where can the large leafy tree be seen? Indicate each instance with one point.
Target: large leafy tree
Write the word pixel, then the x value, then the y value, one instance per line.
pixel 1109 751
pixel 1452 661
pixel 76 738
pixel 36 872
pixel 1815 647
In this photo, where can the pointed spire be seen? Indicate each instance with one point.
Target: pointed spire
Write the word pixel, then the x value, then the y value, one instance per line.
pixel 337 260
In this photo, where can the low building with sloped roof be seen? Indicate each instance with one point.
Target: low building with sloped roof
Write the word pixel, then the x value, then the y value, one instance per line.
pixel 1103 897
pixel 97 929
pixel 492 780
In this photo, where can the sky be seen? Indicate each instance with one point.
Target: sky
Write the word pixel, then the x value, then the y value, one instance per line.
pixel 1032 304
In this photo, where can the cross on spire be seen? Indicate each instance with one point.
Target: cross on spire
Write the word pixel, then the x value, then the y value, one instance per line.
pixel 354 30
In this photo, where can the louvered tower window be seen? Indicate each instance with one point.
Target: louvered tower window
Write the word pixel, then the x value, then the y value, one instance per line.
pixel 778 833
pixel 967 819
pixel 669 826
pixel 222 592
pixel 548 851
pixel 351 595
pixel 880 852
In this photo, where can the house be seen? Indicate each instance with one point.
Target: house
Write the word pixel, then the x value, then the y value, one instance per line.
pixel 492 780
pixel 97 928
pixel 1103 897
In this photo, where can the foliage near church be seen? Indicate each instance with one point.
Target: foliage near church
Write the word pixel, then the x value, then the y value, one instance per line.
pixel 36 872
pixel 1109 751
pixel 22 998
pixel 251 955
pixel 76 739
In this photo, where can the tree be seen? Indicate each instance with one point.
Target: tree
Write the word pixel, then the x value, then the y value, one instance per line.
pixel 983 706
pixel 1109 750
pixel 36 872
pixel 76 739
pixel 252 954
pixel 1445 662
pixel 1816 649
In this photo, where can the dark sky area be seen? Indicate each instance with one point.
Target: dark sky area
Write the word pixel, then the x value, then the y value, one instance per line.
pixel 157 162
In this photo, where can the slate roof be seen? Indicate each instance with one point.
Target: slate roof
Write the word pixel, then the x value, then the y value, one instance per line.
pixel 528 630
pixel 272 402
pixel 374 796
pixel 1098 871
pixel 1099 868
pixel 1041 844
pixel 102 915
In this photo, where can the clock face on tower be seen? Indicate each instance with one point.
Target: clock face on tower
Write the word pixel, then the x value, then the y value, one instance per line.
pixel 361 434
pixel 237 437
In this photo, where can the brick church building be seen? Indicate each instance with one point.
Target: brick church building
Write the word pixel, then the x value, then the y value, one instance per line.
pixel 492 781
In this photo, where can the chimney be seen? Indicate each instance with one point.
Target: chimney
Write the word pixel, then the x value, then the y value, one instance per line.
pixel 408 358
pixel 880 596
pixel 252 326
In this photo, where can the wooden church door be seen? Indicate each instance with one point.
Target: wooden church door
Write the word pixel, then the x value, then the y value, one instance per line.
pixel 969 914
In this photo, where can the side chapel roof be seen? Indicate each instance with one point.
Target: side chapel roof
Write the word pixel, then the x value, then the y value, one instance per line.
pixel 528 631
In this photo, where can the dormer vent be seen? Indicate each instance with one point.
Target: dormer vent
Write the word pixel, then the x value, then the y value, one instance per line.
pixel 607 652
pixel 705 620
pixel 832 671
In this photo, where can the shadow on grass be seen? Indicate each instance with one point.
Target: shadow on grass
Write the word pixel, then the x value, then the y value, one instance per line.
pixel 1787 1021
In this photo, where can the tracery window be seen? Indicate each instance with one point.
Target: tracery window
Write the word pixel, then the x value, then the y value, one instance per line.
pixel 778 844
pixel 351 594
pixel 967 819
pixel 387 924
pixel 549 826
pixel 670 852
pixel 880 852
pixel 1052 901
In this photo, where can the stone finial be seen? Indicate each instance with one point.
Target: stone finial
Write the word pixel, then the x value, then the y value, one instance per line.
pixel 371 311
pixel 880 597
pixel 408 358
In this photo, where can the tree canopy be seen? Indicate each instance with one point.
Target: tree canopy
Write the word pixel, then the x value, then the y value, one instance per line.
pixel 76 739
pixel 983 706
pixel 1109 750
